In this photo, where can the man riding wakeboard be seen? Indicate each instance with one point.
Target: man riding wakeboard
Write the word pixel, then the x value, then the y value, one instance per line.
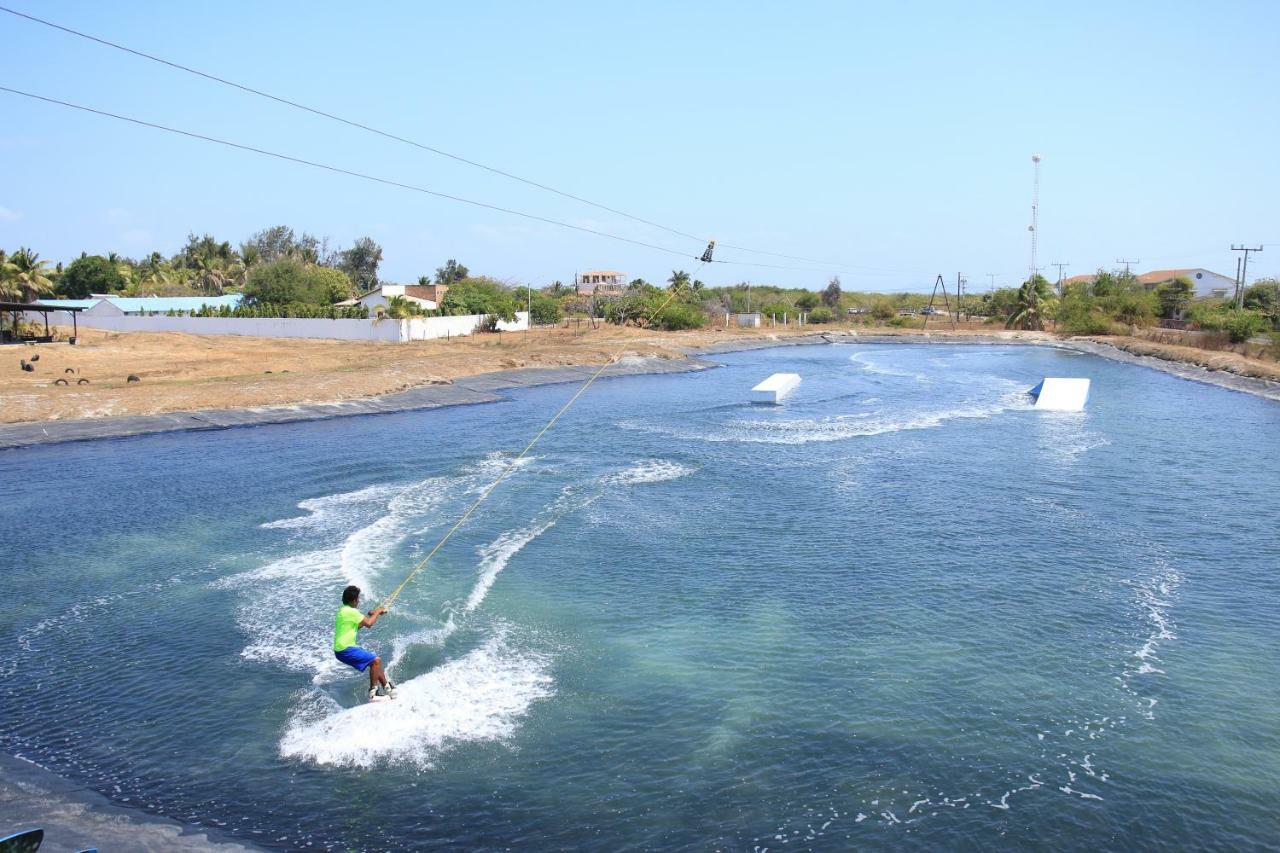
pixel 348 622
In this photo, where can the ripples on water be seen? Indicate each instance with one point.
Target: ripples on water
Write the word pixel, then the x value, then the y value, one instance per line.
pixel 901 604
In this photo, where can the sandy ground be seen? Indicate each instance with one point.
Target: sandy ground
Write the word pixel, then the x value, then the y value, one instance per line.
pixel 180 373
pixel 188 372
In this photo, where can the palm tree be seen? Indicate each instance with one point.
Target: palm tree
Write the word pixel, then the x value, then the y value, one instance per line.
pixel 399 308
pixel 29 274
pixel 9 289
pixel 1034 298
pixel 679 280
pixel 211 273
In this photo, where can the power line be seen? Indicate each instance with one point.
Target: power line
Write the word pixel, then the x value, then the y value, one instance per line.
pixel 380 180
pixel 1244 270
pixel 420 145
pixel 1127 262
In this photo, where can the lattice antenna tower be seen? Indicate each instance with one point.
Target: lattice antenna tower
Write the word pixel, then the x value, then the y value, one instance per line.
pixel 1034 227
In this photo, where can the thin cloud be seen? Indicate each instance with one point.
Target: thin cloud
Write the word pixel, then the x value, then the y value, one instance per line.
pixel 7 215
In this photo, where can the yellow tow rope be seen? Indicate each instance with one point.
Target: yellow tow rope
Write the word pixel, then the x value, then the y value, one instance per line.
pixel 386 603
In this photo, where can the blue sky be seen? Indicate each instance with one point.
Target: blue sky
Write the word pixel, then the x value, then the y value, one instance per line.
pixel 893 139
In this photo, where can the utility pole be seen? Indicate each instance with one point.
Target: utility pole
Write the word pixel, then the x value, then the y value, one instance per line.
pixel 992 276
pixel 1061 266
pixel 1126 263
pixel 1034 227
pixel 1244 271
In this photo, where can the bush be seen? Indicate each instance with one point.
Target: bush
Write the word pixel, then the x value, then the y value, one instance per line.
pixel 821 315
pixel 1132 308
pixel 546 311
pixel 677 316
pixel 1078 314
pixel 1242 325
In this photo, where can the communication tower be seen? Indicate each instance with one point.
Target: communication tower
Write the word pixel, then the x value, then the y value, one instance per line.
pixel 1034 227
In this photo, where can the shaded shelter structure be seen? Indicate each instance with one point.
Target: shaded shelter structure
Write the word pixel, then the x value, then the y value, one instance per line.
pixel 17 309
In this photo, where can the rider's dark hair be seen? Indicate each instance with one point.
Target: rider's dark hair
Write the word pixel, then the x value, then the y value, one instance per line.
pixel 350 594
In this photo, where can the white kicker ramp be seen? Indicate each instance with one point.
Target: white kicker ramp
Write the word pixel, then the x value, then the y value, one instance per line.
pixel 773 389
pixel 1055 394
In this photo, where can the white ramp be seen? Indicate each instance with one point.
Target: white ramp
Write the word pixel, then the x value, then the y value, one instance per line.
pixel 1055 394
pixel 773 389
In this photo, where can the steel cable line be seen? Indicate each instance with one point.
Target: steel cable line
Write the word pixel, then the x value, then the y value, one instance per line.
pixel 422 146
pixel 380 180
pixel 338 170
pixel 511 466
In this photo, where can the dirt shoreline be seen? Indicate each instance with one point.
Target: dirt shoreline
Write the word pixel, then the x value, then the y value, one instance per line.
pixel 456 379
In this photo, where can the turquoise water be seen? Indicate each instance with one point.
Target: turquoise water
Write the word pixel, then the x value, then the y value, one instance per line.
pixel 902 608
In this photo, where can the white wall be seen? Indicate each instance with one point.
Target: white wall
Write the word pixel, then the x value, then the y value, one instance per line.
pixel 416 329
pixel 426 328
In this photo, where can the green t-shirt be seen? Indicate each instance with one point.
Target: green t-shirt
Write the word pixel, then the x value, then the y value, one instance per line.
pixel 345 627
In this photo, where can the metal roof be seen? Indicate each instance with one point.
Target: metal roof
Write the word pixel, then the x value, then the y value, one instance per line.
pixel 131 304
pixel 42 306
pixel 69 304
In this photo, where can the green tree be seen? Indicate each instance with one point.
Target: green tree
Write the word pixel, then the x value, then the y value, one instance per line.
pixel 679 280
pixel 831 295
pixel 451 273
pixel 807 301
pixel 360 263
pixel 1174 296
pixel 289 280
pixel 30 274
pixel 204 246
pixel 279 241
pixel 1263 296
pixel 479 296
pixel 89 274
pixel 1035 300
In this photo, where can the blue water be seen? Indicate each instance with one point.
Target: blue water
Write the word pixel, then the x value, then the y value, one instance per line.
pixel 901 608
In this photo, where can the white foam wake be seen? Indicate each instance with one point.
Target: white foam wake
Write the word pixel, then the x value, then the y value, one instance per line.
pixel 649 471
pixel 870 365
pixel 478 697
pixel 329 513
pixel 836 427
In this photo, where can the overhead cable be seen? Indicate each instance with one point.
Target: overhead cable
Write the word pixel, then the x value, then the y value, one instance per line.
pixel 416 144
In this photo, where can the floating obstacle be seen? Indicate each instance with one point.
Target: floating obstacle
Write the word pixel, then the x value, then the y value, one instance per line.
pixel 1056 394
pixel 776 387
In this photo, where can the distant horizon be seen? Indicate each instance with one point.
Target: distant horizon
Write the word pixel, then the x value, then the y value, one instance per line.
pixel 809 132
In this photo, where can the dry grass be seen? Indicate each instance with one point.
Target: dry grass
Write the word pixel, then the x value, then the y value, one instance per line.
pixel 1230 362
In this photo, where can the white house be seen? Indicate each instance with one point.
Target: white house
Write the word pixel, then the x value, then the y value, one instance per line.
pixel 426 296
pixel 1208 283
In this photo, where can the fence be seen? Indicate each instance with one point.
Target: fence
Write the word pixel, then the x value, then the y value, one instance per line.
pixel 388 331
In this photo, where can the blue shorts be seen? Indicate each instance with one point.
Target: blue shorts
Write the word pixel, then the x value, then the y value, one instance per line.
pixel 356 656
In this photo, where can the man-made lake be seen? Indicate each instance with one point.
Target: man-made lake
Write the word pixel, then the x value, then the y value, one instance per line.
pixel 903 607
